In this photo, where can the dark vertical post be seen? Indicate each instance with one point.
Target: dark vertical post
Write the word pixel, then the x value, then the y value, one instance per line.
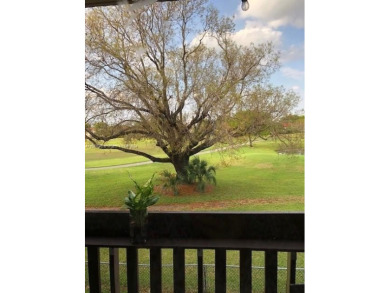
pixel 297 288
pixel 205 278
pixel 132 269
pixel 293 267
pixel 114 270
pixel 178 270
pixel 155 270
pixel 291 272
pixel 271 271
pixel 200 270
pixel 288 278
pixel 245 271
pixel 94 269
pixel 220 270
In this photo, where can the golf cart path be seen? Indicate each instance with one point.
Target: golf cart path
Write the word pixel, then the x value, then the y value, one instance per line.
pixel 147 162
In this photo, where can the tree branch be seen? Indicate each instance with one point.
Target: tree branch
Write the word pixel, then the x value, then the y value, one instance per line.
pixel 130 151
pixel 119 134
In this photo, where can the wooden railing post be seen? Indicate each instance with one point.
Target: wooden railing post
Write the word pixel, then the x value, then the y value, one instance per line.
pixel 132 269
pixel 114 270
pixel 200 270
pixel 245 271
pixel 220 270
pixel 297 288
pixel 291 269
pixel 155 270
pixel 271 271
pixel 178 270
pixel 94 269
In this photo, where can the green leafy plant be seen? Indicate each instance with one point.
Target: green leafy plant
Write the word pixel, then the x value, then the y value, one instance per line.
pixel 142 198
pixel 199 173
pixel 138 202
pixel 170 180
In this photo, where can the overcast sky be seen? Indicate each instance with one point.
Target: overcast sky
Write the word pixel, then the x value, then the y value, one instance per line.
pixel 280 21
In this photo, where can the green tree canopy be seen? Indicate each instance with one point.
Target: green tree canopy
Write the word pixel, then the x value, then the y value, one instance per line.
pixel 261 112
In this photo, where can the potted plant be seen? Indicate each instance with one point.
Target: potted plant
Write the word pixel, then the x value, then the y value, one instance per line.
pixel 138 202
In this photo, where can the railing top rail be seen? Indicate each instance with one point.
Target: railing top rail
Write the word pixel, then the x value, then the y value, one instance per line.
pixel 228 244
pixel 198 226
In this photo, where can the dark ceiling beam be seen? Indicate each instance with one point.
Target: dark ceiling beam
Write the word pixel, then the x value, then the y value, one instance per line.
pixel 93 3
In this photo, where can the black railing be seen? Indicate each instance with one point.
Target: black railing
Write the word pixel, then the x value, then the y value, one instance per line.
pixel 245 232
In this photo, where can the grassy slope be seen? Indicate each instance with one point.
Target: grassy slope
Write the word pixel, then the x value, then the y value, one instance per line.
pixel 259 173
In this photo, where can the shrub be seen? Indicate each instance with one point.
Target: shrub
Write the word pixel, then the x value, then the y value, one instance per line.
pixel 198 172
pixel 170 180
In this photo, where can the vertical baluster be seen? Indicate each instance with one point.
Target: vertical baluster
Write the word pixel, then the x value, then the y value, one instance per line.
pixel 245 271
pixel 291 269
pixel 220 270
pixel 200 270
pixel 297 288
pixel 132 269
pixel 114 270
pixel 94 269
pixel 178 270
pixel 155 270
pixel 271 271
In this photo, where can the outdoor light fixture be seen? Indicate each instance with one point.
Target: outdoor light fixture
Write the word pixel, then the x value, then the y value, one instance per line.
pixel 244 5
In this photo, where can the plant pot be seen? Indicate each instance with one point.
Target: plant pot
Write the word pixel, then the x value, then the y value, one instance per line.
pixel 138 226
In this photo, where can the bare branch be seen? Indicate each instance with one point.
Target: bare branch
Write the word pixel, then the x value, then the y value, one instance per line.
pixel 130 151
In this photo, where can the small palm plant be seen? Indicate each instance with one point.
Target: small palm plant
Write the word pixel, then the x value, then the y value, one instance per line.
pixel 170 180
pixel 198 172
pixel 138 203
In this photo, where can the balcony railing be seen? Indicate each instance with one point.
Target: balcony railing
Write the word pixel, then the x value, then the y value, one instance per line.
pixel 245 232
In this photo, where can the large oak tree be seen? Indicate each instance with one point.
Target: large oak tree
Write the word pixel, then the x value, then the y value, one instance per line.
pixel 150 74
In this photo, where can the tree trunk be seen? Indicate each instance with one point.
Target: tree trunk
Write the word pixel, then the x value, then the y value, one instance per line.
pixel 180 162
pixel 250 141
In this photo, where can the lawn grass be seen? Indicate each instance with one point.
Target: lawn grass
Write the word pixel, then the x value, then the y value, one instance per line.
pixel 267 180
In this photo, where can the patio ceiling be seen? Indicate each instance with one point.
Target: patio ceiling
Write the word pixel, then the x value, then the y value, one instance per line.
pixel 93 3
